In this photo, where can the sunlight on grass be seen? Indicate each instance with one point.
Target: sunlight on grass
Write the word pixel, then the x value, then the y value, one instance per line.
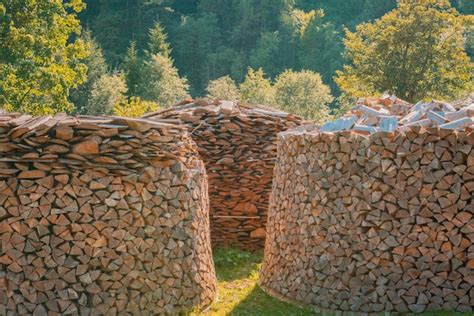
pixel 239 294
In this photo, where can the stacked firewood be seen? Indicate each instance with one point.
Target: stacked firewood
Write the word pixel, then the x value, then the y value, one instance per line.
pixel 237 143
pixel 371 223
pixel 389 113
pixel 101 216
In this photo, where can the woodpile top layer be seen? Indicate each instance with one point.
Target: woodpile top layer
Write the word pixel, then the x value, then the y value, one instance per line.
pixel 373 223
pixel 71 140
pixel 387 114
pixel 102 215
pixel 237 143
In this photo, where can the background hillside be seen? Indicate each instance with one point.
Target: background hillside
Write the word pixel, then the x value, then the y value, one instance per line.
pixel 213 38
pixel 311 58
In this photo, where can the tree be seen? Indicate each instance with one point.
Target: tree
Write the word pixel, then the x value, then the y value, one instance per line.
pixel 157 41
pixel 96 68
pixel 118 22
pixel 256 88
pixel 197 36
pixel 223 88
pixel 321 48
pixel 164 85
pixel 40 55
pixel 303 93
pixel 415 51
pixel 133 70
pixel 266 49
pixel 135 107
pixel 107 92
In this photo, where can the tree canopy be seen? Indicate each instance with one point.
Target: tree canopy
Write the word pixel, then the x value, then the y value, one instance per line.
pixel 40 55
pixel 160 51
pixel 223 88
pixel 303 93
pixel 415 51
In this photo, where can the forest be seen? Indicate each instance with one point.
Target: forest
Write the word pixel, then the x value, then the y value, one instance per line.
pixel 309 57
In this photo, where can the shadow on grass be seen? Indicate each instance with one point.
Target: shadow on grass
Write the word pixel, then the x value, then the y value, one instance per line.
pixel 258 303
pixel 237 272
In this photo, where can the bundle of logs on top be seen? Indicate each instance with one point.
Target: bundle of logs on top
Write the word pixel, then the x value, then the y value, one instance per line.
pixel 388 113
pixel 237 143
pixel 373 222
pixel 101 216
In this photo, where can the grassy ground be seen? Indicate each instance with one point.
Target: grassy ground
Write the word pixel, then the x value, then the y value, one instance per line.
pixel 239 294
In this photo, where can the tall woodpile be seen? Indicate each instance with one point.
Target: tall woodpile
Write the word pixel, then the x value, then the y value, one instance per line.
pixel 238 145
pixel 101 216
pixel 371 223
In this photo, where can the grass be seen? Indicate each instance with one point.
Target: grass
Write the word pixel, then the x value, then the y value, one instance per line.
pixel 239 294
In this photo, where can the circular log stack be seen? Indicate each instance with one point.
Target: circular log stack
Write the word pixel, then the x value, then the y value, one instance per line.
pixel 237 143
pixel 101 216
pixel 371 223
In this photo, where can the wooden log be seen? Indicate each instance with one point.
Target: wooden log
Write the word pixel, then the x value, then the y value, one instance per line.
pixel 237 143
pixel 102 216
pixel 372 223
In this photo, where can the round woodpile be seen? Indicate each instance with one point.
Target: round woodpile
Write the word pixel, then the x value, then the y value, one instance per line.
pixel 237 143
pixel 371 223
pixel 101 216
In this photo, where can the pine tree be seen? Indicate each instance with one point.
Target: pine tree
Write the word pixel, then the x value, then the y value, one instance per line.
pixel 96 68
pixel 133 70
pixel 157 41
pixel 163 83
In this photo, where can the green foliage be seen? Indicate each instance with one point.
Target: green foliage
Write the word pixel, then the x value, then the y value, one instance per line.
pixel 116 23
pixel 303 93
pixel 106 93
pixel 256 88
pixel 321 48
pixel 415 52
pixel 163 83
pixel 96 68
pixel 157 42
pixel 195 53
pixel 135 107
pixel 223 88
pixel 266 49
pixel 132 67
pixel 239 294
pixel 230 257
pixel 40 55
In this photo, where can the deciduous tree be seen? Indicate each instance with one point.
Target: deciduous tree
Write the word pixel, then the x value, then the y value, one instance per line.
pixel 135 107
pixel 40 55
pixel 415 51
pixel 303 93
pixel 223 88
pixel 256 88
